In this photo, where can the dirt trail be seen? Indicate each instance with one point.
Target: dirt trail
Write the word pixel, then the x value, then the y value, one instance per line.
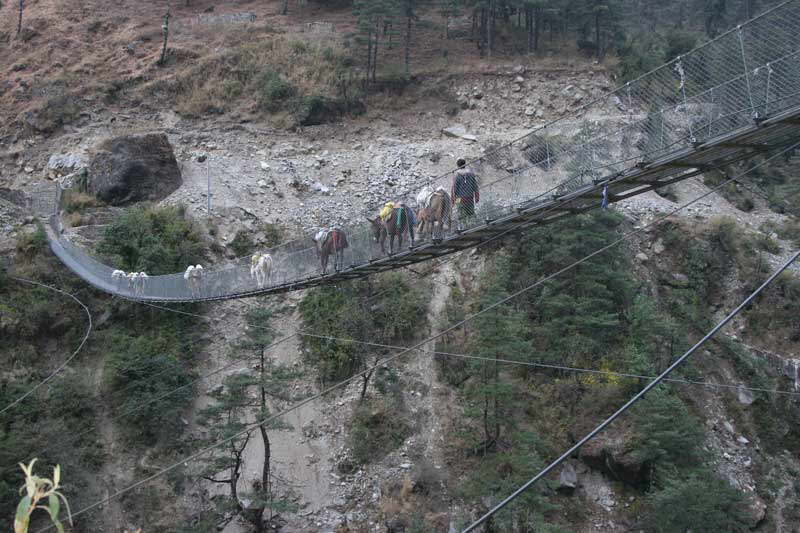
pixel 424 364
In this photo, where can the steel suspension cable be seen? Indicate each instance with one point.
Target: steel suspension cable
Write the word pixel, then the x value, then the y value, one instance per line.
pixel 74 353
pixel 551 366
pixel 382 362
pixel 635 398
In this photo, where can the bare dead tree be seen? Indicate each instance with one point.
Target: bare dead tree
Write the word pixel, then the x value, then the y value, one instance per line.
pixel 21 7
pixel 165 31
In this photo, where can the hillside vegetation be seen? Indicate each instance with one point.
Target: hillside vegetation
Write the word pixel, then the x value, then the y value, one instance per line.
pixel 428 441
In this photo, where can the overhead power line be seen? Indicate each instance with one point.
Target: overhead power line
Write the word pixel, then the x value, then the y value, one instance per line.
pixel 382 362
pixel 551 366
pixel 661 377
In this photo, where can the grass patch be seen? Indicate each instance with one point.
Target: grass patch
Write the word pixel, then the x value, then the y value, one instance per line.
pixel 78 201
pixel 274 75
pixel 376 429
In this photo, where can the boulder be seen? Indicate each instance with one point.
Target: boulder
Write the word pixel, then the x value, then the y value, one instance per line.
pixel 460 132
pixel 134 168
pixel 610 455
pixel 567 479
pixel 319 187
pixel 745 396
pixel 66 163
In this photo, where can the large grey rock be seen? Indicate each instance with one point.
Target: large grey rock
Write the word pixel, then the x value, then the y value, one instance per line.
pixel 66 163
pixel 134 168
pixel 568 478
pixel 745 396
pixel 460 132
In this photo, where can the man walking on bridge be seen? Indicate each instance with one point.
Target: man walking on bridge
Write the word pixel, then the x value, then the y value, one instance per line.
pixel 465 192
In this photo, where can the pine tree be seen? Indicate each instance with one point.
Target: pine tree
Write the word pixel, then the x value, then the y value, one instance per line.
pixel 375 19
pixel 450 9
pixel 666 433
pixel 700 502
pixel 255 390
pixel 577 315
pixel 498 334
pixel 499 474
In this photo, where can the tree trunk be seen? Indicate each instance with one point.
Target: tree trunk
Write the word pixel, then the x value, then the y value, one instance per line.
pixel 529 28
pixel 266 480
pixel 491 27
pixel 369 54
pixel 19 24
pixel 597 33
pixel 375 51
pixel 496 400
pixel 285 9
pixel 487 434
pixel 364 383
pixel 266 488
pixel 165 30
pixel 484 28
pixel 474 24
pixel 235 474
pixel 537 27
pixel 408 47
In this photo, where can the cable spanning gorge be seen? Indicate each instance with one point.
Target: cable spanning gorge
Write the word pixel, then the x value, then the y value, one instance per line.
pixel 732 98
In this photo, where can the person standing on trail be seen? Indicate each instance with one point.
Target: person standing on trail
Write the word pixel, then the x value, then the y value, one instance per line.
pixel 465 192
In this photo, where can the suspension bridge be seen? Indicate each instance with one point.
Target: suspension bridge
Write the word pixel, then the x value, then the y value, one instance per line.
pixel 726 101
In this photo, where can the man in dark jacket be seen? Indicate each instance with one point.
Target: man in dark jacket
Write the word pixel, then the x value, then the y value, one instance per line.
pixel 465 192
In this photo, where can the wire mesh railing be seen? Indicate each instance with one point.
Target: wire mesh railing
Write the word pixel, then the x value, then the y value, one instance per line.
pixel 732 82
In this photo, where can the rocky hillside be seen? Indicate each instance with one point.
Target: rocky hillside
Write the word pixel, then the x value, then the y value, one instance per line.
pixel 429 441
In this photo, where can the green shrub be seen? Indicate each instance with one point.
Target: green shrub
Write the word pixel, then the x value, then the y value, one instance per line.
pixel 147 367
pixel 767 244
pixel 777 309
pixel 375 430
pixel 679 42
pixel 790 230
pixel 242 244
pixel 299 47
pixel 641 53
pixel 666 433
pixel 78 201
pixel 232 88
pixel 701 503
pixel 71 398
pixel 274 234
pixel 31 244
pixel 156 240
pixel 499 474
pixel 273 90
pixel 397 315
